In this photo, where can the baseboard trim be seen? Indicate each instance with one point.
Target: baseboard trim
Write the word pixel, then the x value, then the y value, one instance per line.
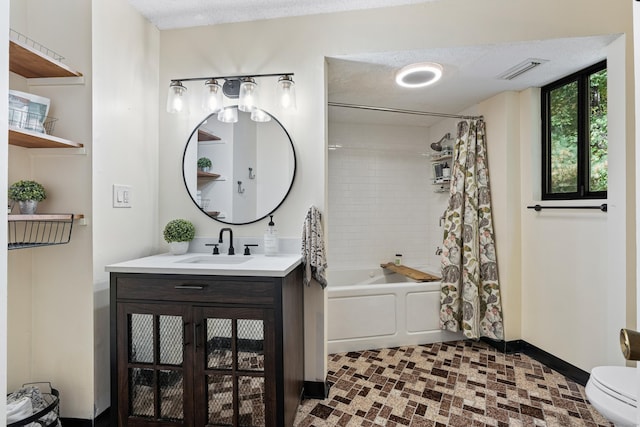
pixel 557 364
pixel 507 347
pixel 549 360
pixel 316 390
pixel 101 420
pixel 76 422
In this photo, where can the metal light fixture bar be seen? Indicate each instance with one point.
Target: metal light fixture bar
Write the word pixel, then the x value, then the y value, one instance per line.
pixel 240 86
pixel 235 77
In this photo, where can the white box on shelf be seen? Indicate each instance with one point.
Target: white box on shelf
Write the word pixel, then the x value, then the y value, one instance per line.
pixel 28 111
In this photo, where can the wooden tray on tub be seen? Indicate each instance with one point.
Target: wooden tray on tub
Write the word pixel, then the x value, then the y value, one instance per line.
pixel 412 273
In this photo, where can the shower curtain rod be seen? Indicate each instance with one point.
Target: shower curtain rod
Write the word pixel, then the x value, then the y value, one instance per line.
pixel 397 110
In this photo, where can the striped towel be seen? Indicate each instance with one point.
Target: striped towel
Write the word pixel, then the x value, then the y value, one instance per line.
pixel 313 253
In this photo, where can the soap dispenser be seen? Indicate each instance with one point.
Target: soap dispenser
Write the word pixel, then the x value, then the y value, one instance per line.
pixel 271 239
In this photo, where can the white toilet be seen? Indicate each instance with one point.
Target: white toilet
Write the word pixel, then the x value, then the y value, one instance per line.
pixel 612 391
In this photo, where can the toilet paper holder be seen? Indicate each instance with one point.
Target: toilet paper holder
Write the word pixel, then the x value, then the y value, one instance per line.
pixel 630 344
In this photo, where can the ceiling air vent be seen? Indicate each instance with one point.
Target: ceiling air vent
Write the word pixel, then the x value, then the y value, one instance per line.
pixel 521 68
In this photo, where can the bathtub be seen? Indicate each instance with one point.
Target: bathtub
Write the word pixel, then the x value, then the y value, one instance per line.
pixel 370 309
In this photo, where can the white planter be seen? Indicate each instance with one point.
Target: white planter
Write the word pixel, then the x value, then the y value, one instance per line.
pixel 178 248
pixel 28 207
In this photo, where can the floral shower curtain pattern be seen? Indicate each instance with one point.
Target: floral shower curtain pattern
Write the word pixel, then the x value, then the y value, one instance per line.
pixel 470 292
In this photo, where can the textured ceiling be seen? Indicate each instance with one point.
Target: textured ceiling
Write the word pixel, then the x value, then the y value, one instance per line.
pixel 171 14
pixel 470 73
pixel 470 76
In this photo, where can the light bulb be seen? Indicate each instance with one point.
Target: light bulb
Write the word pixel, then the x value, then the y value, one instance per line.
pixel 177 97
pixel 287 90
pixel 212 96
pixel 248 97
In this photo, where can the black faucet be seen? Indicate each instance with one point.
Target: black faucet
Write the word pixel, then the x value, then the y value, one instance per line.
pixel 231 250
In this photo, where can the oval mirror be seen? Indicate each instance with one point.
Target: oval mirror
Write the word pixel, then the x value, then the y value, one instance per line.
pixel 252 167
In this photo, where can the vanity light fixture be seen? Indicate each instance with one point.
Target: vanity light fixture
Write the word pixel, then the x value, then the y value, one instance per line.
pixel 212 96
pixel 248 97
pixel 176 100
pixel 241 87
pixel 419 75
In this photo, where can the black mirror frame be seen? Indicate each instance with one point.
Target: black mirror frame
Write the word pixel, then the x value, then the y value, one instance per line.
pixel 293 178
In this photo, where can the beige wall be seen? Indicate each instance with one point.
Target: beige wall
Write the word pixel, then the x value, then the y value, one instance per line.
pixel 300 44
pixel 636 119
pixel 125 151
pixel 4 74
pixel 50 295
pixel 503 148
pixel 576 279
pixel 58 296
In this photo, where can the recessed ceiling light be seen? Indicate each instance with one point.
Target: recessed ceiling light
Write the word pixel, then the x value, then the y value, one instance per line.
pixel 419 75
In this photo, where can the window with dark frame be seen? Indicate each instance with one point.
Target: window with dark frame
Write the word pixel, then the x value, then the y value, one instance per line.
pixel 574 136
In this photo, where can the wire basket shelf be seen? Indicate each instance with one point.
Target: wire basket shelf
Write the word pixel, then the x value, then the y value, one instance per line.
pixel 31 121
pixel 30 231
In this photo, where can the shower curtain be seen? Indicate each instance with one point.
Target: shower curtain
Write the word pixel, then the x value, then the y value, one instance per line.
pixel 470 292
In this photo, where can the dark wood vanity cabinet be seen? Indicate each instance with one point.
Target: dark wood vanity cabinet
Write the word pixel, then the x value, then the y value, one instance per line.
pixel 195 350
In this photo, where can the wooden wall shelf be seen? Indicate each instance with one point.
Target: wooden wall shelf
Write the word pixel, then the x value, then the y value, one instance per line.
pixel 31 139
pixel 30 63
pixel 207 175
pixel 206 136
pixel 44 217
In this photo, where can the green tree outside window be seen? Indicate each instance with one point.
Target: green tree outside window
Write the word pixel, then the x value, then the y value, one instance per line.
pixel 575 139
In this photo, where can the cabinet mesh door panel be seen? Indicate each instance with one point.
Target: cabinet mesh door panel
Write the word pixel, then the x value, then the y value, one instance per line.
pixel 220 398
pixel 141 392
pixel 250 345
pixel 219 352
pixel 251 401
pixel 155 366
pixel 235 373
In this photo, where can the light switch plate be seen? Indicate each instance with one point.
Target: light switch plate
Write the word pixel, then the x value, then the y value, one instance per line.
pixel 121 196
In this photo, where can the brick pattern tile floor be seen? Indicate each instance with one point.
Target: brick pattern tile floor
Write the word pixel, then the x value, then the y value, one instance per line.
pixel 462 383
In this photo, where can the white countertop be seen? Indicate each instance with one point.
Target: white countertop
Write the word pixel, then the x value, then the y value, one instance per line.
pixel 214 265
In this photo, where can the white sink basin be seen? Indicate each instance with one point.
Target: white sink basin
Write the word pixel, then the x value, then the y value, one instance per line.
pixel 216 259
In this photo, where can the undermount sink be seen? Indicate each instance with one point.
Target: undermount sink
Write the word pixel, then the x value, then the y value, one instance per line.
pixel 216 259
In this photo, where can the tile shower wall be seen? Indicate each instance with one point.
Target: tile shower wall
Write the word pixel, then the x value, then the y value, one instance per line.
pixel 381 197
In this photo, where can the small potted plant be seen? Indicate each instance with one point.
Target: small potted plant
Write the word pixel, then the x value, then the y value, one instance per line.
pixel 178 233
pixel 204 164
pixel 27 194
